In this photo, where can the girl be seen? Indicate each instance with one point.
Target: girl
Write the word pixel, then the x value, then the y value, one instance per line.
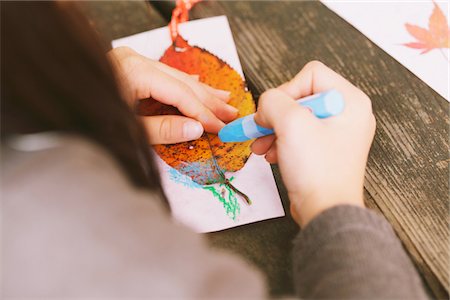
pixel 83 211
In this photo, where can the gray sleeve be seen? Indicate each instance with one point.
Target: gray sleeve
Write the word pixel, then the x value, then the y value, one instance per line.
pixel 351 252
pixel 74 227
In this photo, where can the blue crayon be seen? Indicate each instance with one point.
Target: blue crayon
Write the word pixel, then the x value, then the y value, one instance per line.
pixel 323 105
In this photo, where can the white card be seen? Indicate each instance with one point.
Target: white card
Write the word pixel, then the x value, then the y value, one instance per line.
pixel 383 22
pixel 191 204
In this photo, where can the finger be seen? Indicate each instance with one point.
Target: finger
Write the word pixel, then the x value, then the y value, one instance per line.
pixel 213 98
pixel 294 213
pixel 217 105
pixel 272 156
pixel 262 145
pixel 171 91
pixel 180 75
pixel 221 94
pixel 195 77
pixel 315 77
pixel 201 89
pixel 172 129
pixel 278 111
pixel 222 110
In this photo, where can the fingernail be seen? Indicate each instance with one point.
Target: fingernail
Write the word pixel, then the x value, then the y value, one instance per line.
pixel 192 130
pixel 221 125
pixel 223 93
pixel 232 109
pixel 214 124
pixel 195 76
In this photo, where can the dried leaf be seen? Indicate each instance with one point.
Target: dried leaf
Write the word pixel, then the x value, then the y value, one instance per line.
pixel 206 159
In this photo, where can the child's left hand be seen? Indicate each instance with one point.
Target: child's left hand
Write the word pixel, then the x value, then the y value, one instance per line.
pixel 204 108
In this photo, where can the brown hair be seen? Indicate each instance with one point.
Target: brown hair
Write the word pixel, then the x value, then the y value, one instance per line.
pixel 55 77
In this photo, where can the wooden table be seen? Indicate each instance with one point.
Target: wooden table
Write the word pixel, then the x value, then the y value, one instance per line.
pixel 407 173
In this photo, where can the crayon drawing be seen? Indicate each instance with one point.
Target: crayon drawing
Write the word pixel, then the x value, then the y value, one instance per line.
pixel 222 191
pixel 207 159
pixel 210 185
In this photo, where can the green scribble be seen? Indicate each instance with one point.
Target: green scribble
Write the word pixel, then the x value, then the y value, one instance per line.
pixel 227 197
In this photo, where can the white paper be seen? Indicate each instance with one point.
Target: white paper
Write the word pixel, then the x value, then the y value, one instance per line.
pixel 193 205
pixel 383 22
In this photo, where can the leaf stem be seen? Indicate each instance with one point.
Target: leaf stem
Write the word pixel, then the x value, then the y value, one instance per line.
pixel 443 54
pixel 223 178
pixel 246 198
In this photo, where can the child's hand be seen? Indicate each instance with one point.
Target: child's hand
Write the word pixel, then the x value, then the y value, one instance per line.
pixel 203 107
pixel 322 161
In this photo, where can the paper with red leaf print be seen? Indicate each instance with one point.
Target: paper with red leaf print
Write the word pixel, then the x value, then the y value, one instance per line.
pixel 436 36
pixel 416 33
pixel 194 201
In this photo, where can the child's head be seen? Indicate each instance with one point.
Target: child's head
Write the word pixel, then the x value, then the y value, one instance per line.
pixel 56 77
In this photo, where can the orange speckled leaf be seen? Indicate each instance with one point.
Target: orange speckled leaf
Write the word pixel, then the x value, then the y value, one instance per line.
pixel 205 159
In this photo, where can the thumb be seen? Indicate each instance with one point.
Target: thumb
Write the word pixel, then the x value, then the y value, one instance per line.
pixel 170 129
pixel 279 111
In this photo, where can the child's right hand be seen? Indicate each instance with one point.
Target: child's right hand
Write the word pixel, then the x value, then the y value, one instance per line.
pixel 322 161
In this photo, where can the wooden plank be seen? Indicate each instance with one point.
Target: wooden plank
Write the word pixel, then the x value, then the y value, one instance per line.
pixel 116 19
pixel 407 175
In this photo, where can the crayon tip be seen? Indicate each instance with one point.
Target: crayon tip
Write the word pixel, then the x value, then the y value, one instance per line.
pixel 233 132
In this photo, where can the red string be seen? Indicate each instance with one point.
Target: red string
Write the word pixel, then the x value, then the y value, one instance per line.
pixel 180 14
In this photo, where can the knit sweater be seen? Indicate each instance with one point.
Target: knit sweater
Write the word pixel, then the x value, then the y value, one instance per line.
pixel 73 226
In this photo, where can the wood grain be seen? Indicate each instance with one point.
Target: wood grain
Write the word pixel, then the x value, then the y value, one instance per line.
pixel 407 173
pixel 116 19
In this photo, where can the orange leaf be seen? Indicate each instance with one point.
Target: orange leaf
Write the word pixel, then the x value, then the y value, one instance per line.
pixel 419 33
pixel 437 36
pixel 415 45
pixel 439 29
pixel 206 159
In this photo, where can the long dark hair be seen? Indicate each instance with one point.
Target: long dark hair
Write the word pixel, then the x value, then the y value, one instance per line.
pixel 55 77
